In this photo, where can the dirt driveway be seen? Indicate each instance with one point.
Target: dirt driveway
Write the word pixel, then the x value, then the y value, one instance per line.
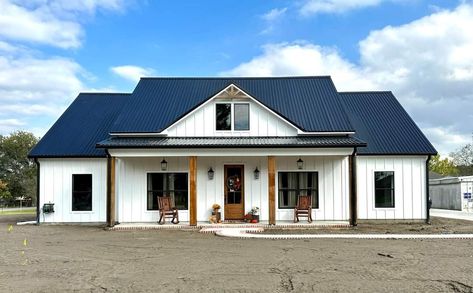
pixel 80 258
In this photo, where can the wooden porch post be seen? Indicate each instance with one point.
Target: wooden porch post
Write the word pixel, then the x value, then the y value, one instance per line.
pixel 272 189
pixel 111 191
pixel 193 191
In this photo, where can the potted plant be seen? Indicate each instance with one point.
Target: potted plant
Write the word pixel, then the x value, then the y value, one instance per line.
pixel 255 214
pixel 215 212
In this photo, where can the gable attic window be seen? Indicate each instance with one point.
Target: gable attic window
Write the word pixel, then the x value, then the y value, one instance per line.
pixel 223 116
pixel 238 112
pixel 242 116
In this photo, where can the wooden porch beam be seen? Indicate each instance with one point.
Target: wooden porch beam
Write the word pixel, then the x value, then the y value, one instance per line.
pixel 272 189
pixel 193 190
pixel 111 192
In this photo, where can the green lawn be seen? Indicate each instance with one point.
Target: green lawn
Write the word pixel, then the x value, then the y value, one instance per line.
pixel 25 211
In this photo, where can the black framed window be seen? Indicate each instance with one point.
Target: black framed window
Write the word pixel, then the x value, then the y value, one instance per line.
pixel 167 184
pixel 223 119
pixel 384 189
pixel 242 116
pixel 293 184
pixel 81 192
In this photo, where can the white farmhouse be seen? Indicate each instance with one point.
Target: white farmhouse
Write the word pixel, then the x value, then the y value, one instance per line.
pixel 237 142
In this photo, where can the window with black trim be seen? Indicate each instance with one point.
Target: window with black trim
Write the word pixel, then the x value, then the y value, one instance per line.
pixel 223 116
pixel 167 184
pixel 81 192
pixel 293 184
pixel 242 116
pixel 384 189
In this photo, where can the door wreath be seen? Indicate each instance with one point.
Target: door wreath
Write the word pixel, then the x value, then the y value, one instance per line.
pixel 234 183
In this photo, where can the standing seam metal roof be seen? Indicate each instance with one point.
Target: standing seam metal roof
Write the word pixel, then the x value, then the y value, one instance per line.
pixel 87 121
pixel 310 103
pixel 382 122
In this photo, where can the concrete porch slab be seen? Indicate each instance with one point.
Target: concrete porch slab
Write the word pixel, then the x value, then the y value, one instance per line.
pixel 200 225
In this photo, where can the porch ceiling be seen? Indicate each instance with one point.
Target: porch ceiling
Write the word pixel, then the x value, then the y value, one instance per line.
pixel 232 142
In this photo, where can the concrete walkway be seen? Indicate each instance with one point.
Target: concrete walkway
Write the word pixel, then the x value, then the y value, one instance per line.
pixel 459 215
pixel 256 232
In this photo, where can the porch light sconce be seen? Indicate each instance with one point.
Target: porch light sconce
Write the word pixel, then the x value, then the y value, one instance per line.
pixel 164 165
pixel 256 172
pixel 300 164
pixel 211 173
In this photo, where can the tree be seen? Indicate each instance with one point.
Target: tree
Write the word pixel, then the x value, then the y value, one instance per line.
pixel 443 167
pixel 463 159
pixel 16 169
pixel 5 195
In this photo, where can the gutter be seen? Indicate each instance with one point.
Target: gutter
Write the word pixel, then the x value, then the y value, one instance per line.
pixel 38 171
pixel 427 193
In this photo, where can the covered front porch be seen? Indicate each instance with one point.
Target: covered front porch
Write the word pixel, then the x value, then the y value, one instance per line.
pixel 270 179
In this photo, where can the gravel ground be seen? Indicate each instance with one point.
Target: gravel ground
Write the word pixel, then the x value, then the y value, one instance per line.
pixel 82 258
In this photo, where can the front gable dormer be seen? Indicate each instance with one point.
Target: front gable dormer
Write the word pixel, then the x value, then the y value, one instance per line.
pixel 231 112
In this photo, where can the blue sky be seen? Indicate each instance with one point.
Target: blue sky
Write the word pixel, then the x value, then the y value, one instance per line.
pixel 50 50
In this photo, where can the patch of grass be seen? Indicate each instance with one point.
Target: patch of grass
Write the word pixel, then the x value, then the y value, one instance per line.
pixel 25 211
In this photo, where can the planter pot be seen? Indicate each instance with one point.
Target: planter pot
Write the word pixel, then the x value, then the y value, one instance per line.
pixel 219 215
pixel 255 218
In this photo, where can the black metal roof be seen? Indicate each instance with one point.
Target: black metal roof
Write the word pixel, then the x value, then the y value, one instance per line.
pixel 382 122
pixel 87 121
pixel 377 117
pixel 235 142
pixel 310 103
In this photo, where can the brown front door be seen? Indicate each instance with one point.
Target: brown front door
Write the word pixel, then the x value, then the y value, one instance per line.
pixel 234 192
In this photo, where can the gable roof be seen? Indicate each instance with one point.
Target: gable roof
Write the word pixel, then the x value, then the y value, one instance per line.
pixel 381 121
pixel 87 121
pixel 311 103
pixel 377 117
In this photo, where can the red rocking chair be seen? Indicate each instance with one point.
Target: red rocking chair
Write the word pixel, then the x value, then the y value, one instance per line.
pixel 303 208
pixel 167 210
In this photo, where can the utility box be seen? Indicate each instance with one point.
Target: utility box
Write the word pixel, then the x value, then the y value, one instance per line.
pixel 452 193
pixel 48 208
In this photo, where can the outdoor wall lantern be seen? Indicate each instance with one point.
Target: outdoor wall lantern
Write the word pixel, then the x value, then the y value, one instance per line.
pixel 211 173
pixel 164 165
pixel 256 172
pixel 300 164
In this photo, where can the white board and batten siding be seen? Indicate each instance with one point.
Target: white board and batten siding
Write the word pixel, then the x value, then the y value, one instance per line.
pixel 333 187
pixel 201 122
pixel 131 187
pixel 409 187
pixel 55 186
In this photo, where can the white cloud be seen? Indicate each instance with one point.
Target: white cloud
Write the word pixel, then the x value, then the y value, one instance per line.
pixel 54 23
pixel 271 18
pixel 131 72
pixel 274 14
pixel 34 86
pixel 302 58
pixel 311 7
pixel 427 63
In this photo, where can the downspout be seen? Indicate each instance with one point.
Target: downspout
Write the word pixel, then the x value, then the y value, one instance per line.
pixel 109 157
pixel 427 192
pixel 37 190
pixel 353 195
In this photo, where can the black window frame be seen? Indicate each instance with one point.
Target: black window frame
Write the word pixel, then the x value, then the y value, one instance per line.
pixel 217 124
pixel 315 199
pixel 78 194
pixel 167 191
pixel 234 116
pixel 391 188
